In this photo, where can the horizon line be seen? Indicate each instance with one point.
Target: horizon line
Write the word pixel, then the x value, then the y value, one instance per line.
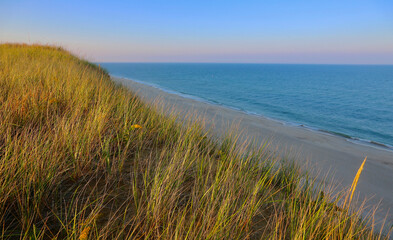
pixel 256 63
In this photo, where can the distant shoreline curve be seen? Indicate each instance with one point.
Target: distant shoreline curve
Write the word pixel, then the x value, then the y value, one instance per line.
pixel 355 140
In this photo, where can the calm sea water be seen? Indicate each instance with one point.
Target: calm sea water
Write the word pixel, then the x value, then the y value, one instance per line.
pixel 355 101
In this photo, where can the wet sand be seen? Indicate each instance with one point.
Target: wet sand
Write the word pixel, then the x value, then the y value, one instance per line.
pixel 322 154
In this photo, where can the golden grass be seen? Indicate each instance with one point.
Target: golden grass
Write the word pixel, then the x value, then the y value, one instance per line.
pixel 83 158
pixel 355 183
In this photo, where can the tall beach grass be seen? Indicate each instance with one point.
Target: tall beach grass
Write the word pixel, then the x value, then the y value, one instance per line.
pixel 84 158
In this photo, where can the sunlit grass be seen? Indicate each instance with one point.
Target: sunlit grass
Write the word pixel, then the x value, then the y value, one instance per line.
pixel 83 158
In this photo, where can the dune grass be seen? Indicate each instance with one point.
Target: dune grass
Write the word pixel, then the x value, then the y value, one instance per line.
pixel 83 158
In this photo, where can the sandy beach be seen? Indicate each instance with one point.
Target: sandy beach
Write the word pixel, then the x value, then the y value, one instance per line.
pixel 324 154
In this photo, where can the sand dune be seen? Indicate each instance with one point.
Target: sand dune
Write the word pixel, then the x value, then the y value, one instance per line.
pixel 322 153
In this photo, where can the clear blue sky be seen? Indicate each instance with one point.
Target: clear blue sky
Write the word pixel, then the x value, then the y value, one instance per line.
pixel 346 31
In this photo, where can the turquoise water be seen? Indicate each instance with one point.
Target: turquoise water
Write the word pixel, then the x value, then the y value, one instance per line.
pixel 354 101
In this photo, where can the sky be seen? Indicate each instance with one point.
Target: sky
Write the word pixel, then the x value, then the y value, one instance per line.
pixel 281 31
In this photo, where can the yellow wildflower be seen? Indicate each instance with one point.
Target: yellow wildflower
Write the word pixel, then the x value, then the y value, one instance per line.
pixel 135 126
pixel 84 234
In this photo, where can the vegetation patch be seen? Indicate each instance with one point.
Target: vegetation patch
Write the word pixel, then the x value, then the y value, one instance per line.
pixel 83 158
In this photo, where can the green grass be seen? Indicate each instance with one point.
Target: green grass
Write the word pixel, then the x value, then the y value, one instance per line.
pixel 74 165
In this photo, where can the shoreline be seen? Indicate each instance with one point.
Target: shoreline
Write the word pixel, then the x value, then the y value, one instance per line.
pixel 354 140
pixel 331 159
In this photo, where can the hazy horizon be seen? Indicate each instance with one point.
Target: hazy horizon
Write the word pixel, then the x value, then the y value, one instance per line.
pixel 262 63
pixel 334 32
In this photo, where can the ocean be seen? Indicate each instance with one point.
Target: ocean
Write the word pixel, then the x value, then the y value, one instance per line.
pixel 353 101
